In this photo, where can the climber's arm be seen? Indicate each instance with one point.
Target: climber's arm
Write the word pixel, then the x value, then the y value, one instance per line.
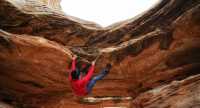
pixel 73 67
pixel 73 63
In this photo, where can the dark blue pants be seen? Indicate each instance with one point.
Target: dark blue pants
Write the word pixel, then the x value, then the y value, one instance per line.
pixel 93 81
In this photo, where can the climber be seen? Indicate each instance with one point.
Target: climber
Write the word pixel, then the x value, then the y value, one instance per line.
pixel 82 85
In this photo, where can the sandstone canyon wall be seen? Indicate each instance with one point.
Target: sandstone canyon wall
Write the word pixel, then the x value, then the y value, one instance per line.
pixel 155 58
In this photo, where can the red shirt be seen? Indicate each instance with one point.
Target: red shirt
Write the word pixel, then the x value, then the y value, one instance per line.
pixel 80 86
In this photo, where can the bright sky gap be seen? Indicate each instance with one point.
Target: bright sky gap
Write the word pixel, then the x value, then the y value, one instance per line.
pixel 106 12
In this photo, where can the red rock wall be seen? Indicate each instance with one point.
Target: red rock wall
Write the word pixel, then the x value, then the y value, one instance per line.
pixel 155 50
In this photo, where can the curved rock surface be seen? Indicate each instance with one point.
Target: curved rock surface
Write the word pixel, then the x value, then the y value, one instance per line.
pixel 149 55
pixel 55 4
pixel 178 94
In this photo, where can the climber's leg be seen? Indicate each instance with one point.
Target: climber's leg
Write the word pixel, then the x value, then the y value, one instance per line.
pixel 93 81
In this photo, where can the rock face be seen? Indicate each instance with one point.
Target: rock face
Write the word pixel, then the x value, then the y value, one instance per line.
pixel 155 57
pixel 55 4
pixel 4 105
pixel 178 94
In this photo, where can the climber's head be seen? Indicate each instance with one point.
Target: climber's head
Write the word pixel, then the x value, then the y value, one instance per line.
pixel 75 74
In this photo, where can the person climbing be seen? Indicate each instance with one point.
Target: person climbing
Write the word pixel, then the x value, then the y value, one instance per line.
pixel 82 85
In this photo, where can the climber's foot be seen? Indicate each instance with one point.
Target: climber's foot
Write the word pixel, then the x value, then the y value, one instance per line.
pixel 108 67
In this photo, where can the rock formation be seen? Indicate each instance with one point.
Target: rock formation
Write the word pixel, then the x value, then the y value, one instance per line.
pixel 155 57
pixel 55 4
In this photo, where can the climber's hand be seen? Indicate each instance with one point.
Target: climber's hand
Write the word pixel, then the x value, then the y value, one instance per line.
pixel 93 62
pixel 74 57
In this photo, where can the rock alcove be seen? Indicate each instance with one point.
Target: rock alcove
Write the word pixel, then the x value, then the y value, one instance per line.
pixel 155 57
